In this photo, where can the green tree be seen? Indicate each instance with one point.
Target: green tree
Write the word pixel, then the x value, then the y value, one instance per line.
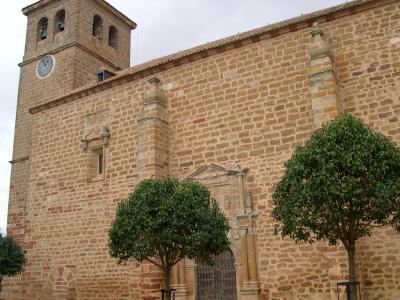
pixel 163 221
pixel 342 184
pixel 11 258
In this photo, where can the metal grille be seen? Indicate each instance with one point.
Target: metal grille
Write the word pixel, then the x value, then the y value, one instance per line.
pixel 217 282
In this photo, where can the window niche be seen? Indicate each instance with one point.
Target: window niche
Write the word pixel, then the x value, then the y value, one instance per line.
pixel 42 31
pixel 97 30
pixel 95 143
pixel 59 21
pixel 96 163
pixel 113 37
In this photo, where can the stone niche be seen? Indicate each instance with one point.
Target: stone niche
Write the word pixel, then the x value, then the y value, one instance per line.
pixel 94 140
pixel 228 187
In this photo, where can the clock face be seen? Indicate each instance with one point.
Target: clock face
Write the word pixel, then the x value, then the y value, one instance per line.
pixel 45 65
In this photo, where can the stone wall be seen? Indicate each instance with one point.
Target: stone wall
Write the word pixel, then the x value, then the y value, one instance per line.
pixel 249 105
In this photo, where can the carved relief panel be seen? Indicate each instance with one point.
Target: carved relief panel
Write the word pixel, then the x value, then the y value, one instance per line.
pixel 97 127
pixel 226 186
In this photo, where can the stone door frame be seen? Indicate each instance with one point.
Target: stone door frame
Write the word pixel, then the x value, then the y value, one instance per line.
pixel 229 189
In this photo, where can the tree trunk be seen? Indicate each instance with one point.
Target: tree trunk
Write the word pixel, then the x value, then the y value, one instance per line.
pixel 351 253
pixel 167 278
pixel 1 283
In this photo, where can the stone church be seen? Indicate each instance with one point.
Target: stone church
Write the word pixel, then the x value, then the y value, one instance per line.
pixel 227 114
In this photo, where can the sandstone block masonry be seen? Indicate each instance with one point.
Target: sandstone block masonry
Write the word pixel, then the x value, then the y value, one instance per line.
pixel 228 114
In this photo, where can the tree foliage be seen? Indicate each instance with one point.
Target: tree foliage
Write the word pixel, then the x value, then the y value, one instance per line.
pixel 344 182
pixel 163 221
pixel 11 258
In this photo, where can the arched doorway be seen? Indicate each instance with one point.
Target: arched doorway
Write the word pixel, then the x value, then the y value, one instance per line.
pixel 217 282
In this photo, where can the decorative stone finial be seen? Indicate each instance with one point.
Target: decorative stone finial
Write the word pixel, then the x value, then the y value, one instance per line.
pixel 154 81
pixel 317 31
pixel 318 47
pixel 155 94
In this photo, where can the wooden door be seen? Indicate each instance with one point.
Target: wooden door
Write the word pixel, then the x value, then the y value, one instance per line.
pixel 217 282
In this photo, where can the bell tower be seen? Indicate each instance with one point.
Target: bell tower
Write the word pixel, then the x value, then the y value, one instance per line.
pixel 77 37
pixel 67 42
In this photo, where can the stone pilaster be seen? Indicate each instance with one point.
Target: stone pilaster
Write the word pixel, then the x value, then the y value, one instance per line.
pixel 245 265
pixel 253 274
pixel 250 282
pixel 180 281
pixel 323 84
pixel 326 105
pixel 152 162
pixel 153 133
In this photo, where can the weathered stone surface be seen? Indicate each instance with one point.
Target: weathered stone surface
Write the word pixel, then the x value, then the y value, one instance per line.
pixel 247 104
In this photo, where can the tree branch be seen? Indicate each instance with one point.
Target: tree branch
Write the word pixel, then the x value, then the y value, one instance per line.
pixel 176 261
pixel 154 262
pixel 161 255
pixel 371 225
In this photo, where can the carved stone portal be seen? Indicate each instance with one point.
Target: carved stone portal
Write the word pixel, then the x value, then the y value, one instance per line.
pixel 228 187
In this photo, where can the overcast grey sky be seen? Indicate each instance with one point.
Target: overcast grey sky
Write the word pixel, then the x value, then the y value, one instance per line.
pixel 164 27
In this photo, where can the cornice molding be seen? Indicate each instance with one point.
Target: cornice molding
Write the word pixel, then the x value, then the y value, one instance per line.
pixel 66 46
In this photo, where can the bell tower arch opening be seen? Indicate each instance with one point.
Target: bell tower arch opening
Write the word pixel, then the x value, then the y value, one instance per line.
pixel 59 21
pixel 42 30
pixel 113 37
pixel 97 30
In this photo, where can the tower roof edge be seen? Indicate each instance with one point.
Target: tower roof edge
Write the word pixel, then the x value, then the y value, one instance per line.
pixel 27 10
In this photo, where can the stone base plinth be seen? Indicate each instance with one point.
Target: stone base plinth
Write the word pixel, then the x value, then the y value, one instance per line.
pixel 181 292
pixel 250 291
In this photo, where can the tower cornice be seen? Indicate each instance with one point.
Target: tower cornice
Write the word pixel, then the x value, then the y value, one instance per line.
pixel 27 10
pixel 69 45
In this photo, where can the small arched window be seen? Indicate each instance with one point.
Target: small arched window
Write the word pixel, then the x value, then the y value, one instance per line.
pixel 97 27
pixel 42 29
pixel 59 21
pixel 113 37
